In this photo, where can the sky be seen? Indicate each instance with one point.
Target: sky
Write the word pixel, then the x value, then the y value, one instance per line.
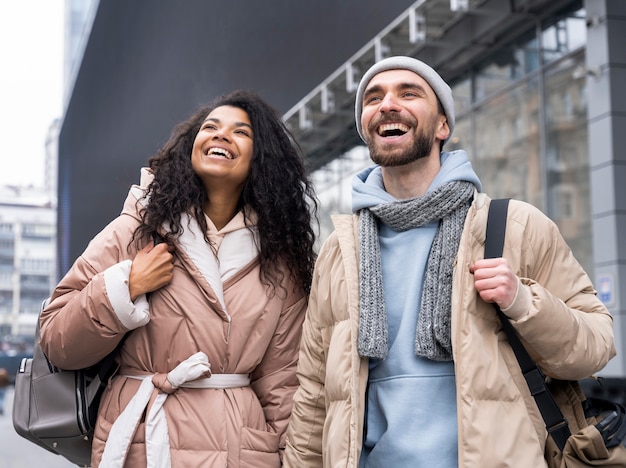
pixel 31 85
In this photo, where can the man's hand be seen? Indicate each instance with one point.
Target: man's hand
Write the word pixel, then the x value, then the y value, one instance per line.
pixel 151 269
pixel 495 281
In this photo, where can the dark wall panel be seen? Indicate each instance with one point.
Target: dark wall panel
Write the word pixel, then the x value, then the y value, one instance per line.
pixel 148 64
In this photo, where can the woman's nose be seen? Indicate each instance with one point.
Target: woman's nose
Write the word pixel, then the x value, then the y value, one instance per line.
pixel 221 134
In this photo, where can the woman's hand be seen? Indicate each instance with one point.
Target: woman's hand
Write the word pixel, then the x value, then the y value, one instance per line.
pixel 151 269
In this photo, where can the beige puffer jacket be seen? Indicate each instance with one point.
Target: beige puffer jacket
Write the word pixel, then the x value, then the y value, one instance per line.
pixel 259 336
pixel 568 331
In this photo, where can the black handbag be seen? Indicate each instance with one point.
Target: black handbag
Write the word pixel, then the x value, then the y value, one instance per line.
pixel 582 431
pixel 57 409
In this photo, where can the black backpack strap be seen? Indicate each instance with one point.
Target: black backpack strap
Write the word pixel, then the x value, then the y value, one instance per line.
pixel 496 227
pixel 556 424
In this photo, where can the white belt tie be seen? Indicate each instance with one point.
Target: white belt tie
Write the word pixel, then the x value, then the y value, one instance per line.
pixel 186 374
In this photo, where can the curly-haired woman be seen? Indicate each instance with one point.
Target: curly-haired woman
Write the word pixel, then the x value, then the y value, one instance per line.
pixel 208 267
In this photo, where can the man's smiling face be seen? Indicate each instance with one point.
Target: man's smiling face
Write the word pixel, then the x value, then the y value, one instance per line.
pixel 401 120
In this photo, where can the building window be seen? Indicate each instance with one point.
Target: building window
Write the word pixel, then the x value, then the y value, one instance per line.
pixel 526 128
pixel 506 66
pixel 507 156
pixel 6 302
pixel 564 202
pixel 563 36
pixel 37 265
pixel 38 230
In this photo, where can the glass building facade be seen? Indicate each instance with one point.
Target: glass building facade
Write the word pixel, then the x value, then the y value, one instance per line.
pixel 522 118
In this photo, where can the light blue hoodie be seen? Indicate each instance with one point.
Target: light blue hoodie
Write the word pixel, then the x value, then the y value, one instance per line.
pixel 410 416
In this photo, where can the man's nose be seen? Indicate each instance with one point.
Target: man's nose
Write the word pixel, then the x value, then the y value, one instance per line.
pixel 389 103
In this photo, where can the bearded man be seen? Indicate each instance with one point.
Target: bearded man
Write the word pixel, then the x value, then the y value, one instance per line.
pixel 403 361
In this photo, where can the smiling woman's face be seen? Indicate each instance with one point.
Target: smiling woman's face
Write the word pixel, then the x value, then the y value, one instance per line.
pixel 222 150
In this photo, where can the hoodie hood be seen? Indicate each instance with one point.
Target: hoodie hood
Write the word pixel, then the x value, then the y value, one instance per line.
pixel 368 189
pixel 135 200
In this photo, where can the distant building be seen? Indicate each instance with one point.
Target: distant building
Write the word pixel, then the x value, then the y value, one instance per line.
pixel 27 260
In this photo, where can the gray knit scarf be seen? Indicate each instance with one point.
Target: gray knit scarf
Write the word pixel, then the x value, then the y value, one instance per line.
pixel 449 203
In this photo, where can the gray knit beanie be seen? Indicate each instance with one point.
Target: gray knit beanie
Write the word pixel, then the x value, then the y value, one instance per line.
pixel 440 87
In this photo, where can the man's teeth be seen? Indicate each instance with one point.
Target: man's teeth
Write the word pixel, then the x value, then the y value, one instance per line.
pixel 392 129
pixel 220 152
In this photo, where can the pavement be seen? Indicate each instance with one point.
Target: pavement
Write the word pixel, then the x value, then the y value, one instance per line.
pixel 17 452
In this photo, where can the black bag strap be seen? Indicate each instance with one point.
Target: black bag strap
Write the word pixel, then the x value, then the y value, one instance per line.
pixel 556 424
pixel 108 366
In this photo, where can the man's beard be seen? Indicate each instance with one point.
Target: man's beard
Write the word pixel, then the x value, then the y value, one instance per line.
pixel 420 148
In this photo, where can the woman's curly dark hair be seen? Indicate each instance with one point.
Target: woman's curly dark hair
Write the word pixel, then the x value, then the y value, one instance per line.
pixel 277 190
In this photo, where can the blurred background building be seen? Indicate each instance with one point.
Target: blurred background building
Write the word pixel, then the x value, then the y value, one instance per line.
pixel 27 261
pixel 28 219
pixel 537 85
